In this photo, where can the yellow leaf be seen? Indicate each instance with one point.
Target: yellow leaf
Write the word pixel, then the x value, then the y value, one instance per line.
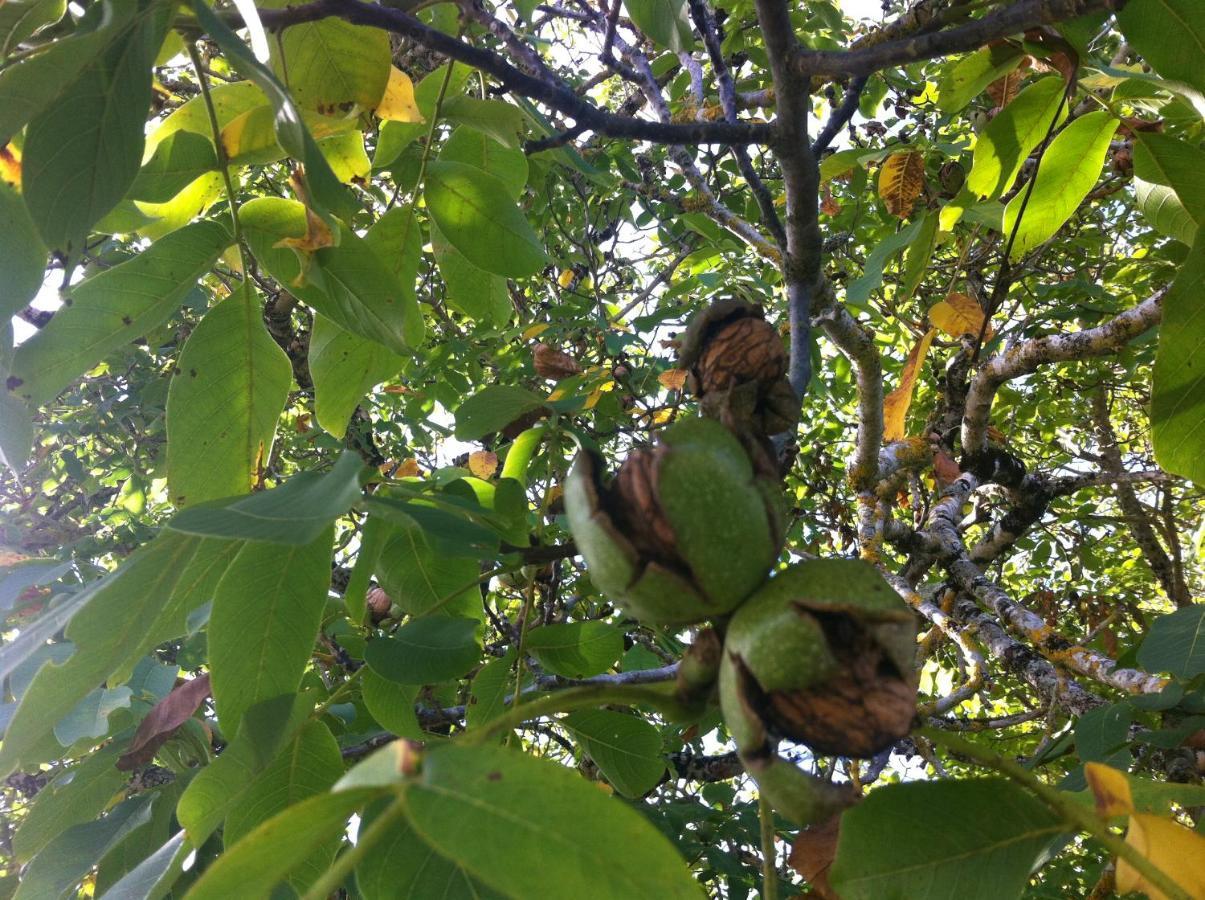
pixel 535 330
pixel 957 315
pixel 1111 789
pixel 557 394
pixel 10 165
pixel 408 469
pixel 397 104
pixel 662 415
pixel 566 278
pixel 483 463
pixel 674 379
pixel 1178 852
pixel 895 407
pixel 592 400
pixel 901 179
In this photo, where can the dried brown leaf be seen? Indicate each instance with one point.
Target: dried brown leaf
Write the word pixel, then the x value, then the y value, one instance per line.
pixel 162 721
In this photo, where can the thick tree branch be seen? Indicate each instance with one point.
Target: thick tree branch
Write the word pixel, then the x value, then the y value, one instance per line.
pixel 1028 356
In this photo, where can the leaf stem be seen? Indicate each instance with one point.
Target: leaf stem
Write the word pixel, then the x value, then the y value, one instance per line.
pixel 219 151
pixel 769 867
pixel 1062 804
pixel 332 879
pixel 439 102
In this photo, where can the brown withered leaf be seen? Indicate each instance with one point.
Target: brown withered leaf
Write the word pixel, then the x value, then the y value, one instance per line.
pixel 995 434
pixel 161 722
pixel 408 469
pixel 828 205
pixel 673 379
pixel 1004 89
pixel 957 315
pixel 945 469
pixel 813 852
pixel 901 180
pixel 895 407
pixel 553 364
pixel 483 464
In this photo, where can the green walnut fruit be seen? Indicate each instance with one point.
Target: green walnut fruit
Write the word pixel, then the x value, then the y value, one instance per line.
pixel 824 654
pixel 684 532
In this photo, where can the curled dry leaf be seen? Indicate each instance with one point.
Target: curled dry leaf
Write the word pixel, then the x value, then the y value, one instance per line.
pixel 161 722
pixel 895 406
pixel 945 469
pixel 553 364
pixel 673 379
pixel 813 853
pixel 901 180
pixel 483 464
pixel 957 315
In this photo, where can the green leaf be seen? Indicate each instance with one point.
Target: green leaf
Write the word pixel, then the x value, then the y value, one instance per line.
pixel 470 290
pixel 859 291
pixel 77 795
pixel 67 859
pixel 395 137
pixel 333 66
pixel 492 409
pixel 295 513
pixel 23 262
pixel 349 284
pixel 16 578
pixel 426 651
pixel 967 78
pixel 324 188
pixel 178 161
pixel 219 787
pixel 421 579
pixel 502 121
pixel 373 535
pixel 20 19
pixel 344 368
pixel 1101 735
pixel 1068 170
pixel 1004 145
pixel 228 391
pixel 255 865
pixel 489 690
pixel 309 764
pixel 1178 388
pixel 392 705
pixel 230 100
pixel 662 20
pixel 918 255
pixel 16 433
pixel 471 147
pixel 153 877
pixel 1162 161
pixel 90 717
pixel 112 308
pixel 535 824
pixel 112 624
pixel 1176 643
pixel 403 866
pixel 1170 35
pixel 82 153
pixel 474 211
pixel 626 748
pixel 576 649
pixel 398 242
pixel 266 613
pixel 898 841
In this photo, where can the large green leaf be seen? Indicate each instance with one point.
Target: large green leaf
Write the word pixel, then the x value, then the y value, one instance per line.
pixel 474 211
pixel 1165 162
pixel 404 867
pixel 626 748
pixel 23 262
pixel 19 19
pixel 490 688
pixel 1176 643
pixel 145 602
pixel 1004 145
pixel 349 284
pixel 967 78
pixel 344 367
pixel 662 20
pixel 113 308
pixel 535 824
pixel 426 651
pixel 152 878
pixel 324 188
pixel 283 844
pixel 470 290
pixel 1068 170
pixel 471 147
pixel 899 842
pixel 1178 389
pixel 422 579
pixel 391 704
pixel 81 154
pixel 1170 35
pixel 333 66
pixel 576 649
pixel 308 765
pixel 265 617
pixel 492 409
pixel 229 388
pixel 179 160
pixel 296 513
pixel 67 859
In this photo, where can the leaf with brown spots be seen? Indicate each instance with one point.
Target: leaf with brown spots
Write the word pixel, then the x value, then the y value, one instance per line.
pixel 162 721
pixel 901 180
